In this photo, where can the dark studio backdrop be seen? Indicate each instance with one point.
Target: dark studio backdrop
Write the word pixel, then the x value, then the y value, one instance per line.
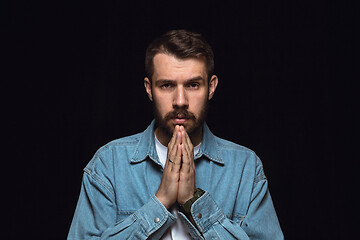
pixel 286 90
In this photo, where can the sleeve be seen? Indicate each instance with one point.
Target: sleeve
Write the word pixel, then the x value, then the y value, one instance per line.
pixel 260 222
pixel 95 215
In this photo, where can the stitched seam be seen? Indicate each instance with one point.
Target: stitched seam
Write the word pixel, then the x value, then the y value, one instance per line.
pixel 214 216
pixel 191 227
pixel 218 235
pixel 214 159
pixel 137 148
pixel 125 212
pixel 158 225
pixel 235 216
pixel 259 178
pixel 97 179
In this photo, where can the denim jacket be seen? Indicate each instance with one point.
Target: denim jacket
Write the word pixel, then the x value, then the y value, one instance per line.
pixel 117 198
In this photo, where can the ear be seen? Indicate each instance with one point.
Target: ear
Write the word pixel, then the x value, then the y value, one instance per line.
pixel 212 85
pixel 147 85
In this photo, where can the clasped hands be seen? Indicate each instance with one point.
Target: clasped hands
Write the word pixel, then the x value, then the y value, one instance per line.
pixel 178 179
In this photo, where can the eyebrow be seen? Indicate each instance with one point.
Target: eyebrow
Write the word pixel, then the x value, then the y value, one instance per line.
pixel 163 81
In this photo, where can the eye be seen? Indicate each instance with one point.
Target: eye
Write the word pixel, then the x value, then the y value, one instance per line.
pixel 166 86
pixel 193 85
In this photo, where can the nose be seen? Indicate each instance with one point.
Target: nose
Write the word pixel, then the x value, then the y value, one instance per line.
pixel 180 98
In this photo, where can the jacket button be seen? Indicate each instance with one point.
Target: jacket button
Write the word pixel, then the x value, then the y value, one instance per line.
pixel 156 220
pixel 199 215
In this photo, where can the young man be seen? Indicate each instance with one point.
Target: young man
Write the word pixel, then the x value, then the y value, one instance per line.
pixel 176 180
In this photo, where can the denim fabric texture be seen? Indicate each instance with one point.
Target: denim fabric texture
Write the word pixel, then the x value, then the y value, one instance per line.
pixel 117 198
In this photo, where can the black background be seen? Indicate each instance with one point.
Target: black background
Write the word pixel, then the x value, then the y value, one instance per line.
pixel 287 90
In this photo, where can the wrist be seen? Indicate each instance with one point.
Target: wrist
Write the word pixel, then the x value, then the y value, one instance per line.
pixel 182 202
pixel 163 201
pixel 186 207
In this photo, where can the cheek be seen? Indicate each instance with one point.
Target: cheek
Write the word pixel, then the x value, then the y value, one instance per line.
pixel 162 105
pixel 198 104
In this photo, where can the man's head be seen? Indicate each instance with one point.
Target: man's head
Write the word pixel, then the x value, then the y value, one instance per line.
pixel 180 83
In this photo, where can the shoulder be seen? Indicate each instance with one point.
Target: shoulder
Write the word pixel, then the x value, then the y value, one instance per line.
pixel 237 154
pixel 121 142
pixel 229 147
pixel 120 148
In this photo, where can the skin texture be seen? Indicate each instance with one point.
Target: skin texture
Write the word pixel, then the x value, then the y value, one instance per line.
pixel 180 91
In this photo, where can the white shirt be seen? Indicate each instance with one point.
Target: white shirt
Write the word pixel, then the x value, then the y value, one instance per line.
pixel 178 230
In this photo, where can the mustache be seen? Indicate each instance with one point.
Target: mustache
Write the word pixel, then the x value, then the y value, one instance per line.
pixel 182 113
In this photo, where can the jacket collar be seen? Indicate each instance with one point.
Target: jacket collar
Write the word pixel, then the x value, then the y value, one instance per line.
pixel 146 146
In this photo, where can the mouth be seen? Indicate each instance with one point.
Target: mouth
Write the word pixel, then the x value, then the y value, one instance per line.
pixel 180 119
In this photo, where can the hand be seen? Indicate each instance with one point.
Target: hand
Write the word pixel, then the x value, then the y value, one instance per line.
pixel 178 179
pixel 168 189
pixel 187 171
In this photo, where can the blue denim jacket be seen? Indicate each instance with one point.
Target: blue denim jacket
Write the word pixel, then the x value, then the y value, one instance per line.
pixel 117 198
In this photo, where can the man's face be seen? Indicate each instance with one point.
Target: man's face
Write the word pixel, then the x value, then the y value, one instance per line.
pixel 180 92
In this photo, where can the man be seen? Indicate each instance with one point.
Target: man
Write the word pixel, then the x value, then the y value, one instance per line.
pixel 176 180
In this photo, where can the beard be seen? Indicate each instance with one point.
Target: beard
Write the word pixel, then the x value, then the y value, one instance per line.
pixel 192 126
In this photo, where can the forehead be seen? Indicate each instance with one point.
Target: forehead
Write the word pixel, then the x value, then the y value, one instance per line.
pixel 169 67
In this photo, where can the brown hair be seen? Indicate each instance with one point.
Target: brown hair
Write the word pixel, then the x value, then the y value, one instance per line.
pixel 182 44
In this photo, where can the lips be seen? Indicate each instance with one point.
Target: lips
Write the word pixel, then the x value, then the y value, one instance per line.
pixel 179 120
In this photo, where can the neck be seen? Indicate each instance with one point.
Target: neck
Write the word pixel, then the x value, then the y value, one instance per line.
pixel 164 138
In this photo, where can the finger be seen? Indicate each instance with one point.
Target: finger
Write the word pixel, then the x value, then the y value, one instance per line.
pixel 174 154
pixel 185 150
pixel 173 138
pixel 173 149
pixel 189 148
pixel 176 162
pixel 187 155
pixel 188 141
pixel 185 163
pixel 172 144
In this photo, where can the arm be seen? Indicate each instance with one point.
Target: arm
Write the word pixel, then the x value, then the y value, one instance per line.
pixel 95 215
pixel 211 223
pixel 207 220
